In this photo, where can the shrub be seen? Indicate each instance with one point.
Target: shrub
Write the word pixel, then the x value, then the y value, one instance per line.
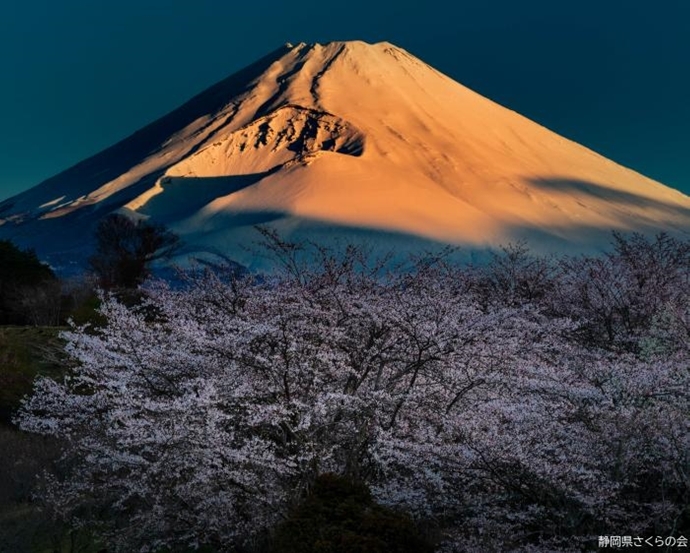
pixel 340 516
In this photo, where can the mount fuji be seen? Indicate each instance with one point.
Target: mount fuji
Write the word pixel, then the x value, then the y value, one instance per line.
pixel 344 141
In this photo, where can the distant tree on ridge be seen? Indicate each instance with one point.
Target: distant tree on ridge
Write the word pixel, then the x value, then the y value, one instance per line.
pixel 125 249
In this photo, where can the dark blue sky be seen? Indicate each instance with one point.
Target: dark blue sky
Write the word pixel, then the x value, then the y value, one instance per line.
pixel 79 75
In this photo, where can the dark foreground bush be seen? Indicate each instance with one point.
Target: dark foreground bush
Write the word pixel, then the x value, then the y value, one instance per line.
pixel 340 516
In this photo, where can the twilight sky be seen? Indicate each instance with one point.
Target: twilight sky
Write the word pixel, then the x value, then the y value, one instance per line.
pixel 79 75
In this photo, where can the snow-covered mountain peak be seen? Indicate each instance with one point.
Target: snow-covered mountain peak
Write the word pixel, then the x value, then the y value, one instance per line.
pixel 348 139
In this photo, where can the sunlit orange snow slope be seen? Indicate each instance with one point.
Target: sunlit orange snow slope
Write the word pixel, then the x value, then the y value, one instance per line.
pixel 352 135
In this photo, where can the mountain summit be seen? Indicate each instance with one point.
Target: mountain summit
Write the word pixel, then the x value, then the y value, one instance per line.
pixel 345 139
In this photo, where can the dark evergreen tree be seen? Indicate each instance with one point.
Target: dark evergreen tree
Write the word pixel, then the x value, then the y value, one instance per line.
pixel 24 280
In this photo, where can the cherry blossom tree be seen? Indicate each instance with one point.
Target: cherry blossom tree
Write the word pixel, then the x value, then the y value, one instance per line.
pixel 617 297
pixel 202 415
